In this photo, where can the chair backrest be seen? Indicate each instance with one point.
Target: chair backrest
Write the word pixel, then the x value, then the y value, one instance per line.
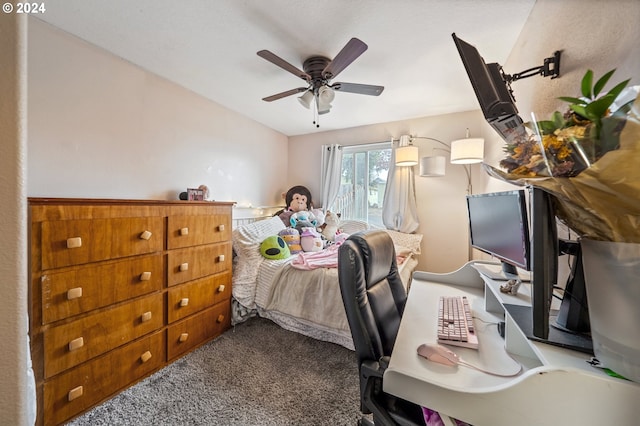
pixel 372 292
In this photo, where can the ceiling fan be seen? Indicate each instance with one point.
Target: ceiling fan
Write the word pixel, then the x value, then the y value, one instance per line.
pixel 318 73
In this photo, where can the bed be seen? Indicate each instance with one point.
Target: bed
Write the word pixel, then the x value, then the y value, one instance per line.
pixel 304 301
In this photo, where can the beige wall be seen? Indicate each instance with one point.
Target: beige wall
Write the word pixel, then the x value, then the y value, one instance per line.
pixel 101 127
pixel 17 397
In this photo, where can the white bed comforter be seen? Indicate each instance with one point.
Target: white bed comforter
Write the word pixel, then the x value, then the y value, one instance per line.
pixel 305 301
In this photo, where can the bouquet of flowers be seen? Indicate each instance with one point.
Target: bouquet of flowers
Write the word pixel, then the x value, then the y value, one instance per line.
pixel 588 158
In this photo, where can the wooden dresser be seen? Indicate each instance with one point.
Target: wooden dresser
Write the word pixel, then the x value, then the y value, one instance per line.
pixel 119 289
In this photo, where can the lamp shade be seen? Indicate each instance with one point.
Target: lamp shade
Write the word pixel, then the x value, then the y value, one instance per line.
pixel 306 98
pixel 326 95
pixel 432 166
pixel 406 156
pixel 467 151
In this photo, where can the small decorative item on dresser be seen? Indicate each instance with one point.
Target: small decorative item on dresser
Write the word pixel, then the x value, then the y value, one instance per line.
pixel 195 194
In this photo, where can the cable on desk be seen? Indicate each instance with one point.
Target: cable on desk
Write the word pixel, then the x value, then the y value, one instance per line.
pixel 482 370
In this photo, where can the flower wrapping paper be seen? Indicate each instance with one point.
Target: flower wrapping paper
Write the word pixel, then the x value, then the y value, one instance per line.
pixel 603 201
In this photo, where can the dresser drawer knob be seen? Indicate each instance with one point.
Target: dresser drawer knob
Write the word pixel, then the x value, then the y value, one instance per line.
pixel 74 242
pixel 184 231
pixel 220 228
pixel 145 276
pixel 146 235
pixel 146 316
pixel 220 288
pixel 184 267
pixel 221 258
pixel 220 318
pixel 184 301
pixel 75 393
pixel 183 337
pixel 74 293
pixel 145 356
pixel 76 344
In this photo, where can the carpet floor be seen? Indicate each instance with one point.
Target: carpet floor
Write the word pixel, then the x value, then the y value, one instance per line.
pixel 254 374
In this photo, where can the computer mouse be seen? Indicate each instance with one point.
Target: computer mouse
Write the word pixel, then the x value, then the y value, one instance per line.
pixel 438 353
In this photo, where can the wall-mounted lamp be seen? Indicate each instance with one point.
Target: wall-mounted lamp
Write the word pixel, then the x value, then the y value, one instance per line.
pixel 433 166
pixel 463 151
pixel 406 154
pixel 467 151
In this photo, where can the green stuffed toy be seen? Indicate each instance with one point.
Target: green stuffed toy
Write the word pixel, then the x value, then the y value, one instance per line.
pixel 274 248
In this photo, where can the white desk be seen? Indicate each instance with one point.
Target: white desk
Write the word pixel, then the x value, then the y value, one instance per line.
pixel 555 386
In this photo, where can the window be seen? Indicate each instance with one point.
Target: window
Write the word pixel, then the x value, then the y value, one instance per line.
pixel 363 181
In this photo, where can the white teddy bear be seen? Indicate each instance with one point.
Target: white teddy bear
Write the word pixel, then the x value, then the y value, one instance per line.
pixel 331 223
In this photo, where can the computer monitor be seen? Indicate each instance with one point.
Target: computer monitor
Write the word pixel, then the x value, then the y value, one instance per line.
pixel 568 327
pixel 498 226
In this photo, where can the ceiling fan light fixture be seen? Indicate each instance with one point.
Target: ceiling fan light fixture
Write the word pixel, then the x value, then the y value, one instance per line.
pixel 326 95
pixel 306 99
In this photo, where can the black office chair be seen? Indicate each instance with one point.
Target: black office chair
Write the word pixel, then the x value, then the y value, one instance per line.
pixel 374 299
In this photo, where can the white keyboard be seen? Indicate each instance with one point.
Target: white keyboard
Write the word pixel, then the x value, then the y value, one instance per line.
pixel 455 324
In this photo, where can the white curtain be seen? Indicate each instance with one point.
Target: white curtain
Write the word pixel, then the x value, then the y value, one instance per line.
pixel 331 174
pixel 400 209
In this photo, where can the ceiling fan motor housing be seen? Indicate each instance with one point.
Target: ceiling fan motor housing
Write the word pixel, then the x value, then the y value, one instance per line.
pixel 314 67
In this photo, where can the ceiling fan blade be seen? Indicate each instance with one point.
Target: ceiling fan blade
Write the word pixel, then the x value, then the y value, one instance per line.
pixel 361 89
pixel 348 54
pixel 284 94
pixel 276 60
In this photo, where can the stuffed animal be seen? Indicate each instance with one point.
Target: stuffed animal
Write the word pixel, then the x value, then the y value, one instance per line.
pixel 331 224
pixel 291 236
pixel 274 247
pixel 300 220
pixel 319 215
pixel 297 199
pixel 311 240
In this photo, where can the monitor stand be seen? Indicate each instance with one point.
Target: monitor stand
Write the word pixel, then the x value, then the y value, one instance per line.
pixel 522 315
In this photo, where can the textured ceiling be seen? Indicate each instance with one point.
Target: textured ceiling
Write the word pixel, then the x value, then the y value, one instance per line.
pixel 209 47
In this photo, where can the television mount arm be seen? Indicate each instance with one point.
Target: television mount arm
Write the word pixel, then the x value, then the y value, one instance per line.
pixel 550 68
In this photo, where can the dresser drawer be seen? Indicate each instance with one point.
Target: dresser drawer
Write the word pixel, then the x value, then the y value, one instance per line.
pixel 71 344
pixel 73 392
pixel 187 231
pixel 197 329
pixel 197 262
pixel 85 288
pixel 195 296
pixel 74 242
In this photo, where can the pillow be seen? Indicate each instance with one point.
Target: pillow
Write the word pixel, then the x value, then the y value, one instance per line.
pixel 247 238
pixel 408 241
pixel 246 245
pixel 351 226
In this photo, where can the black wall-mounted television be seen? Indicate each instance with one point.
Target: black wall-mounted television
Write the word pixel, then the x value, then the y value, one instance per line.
pixel 492 90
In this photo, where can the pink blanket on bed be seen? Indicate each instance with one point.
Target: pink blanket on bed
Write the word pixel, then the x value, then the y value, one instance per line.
pixel 327 258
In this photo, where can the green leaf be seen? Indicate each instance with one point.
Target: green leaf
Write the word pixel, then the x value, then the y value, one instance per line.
pixel 547 127
pixel 571 100
pixel 558 120
pixel 619 88
pixel 586 84
pixel 597 88
pixel 580 110
pixel 599 107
